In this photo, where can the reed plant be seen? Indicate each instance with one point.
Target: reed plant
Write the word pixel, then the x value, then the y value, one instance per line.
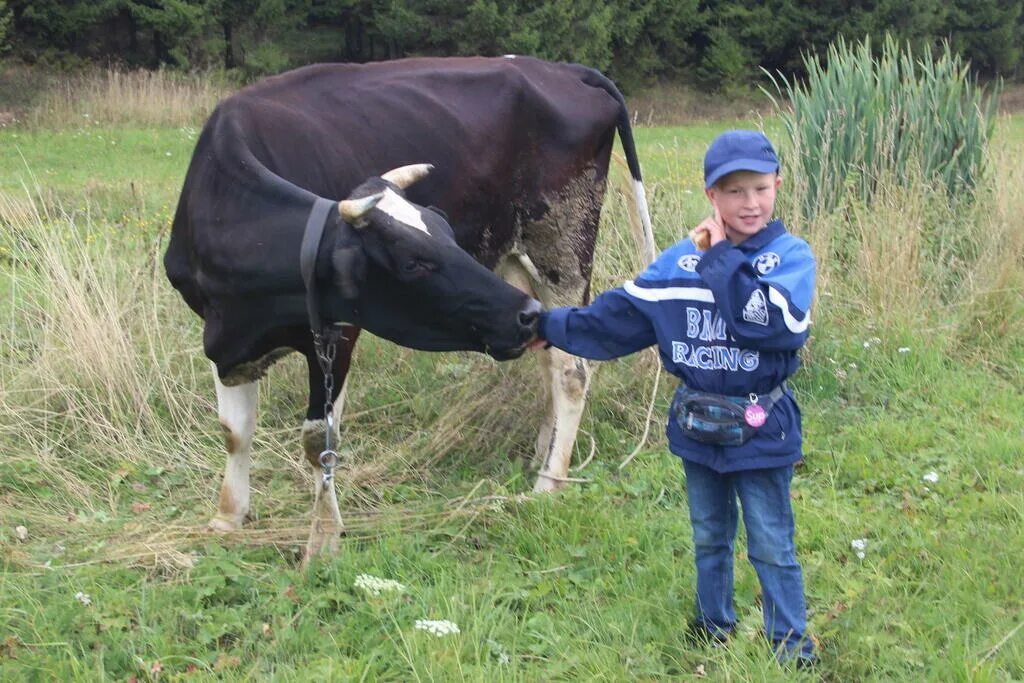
pixel 860 120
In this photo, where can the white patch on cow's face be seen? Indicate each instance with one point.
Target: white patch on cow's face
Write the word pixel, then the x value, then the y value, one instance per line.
pixel 402 211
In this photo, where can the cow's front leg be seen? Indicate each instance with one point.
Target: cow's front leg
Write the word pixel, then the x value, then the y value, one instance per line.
pixel 236 408
pixel 570 378
pixel 326 525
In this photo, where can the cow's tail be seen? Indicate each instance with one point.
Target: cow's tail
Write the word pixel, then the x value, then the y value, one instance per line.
pixel 596 79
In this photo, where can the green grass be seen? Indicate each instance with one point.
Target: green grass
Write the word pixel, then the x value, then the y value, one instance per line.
pixel 593 584
pixel 109 167
pixel 112 458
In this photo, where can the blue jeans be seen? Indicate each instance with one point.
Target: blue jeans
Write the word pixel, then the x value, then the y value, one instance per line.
pixel 768 518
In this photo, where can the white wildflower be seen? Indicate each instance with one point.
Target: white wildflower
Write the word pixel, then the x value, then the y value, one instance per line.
pixel 859 545
pixel 375 586
pixel 840 374
pixel 903 349
pixel 439 628
pixel 83 598
pixel 931 477
pixel 852 366
pixel 21 532
pixel 867 345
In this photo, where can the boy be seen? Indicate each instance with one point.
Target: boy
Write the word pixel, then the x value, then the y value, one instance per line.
pixel 728 322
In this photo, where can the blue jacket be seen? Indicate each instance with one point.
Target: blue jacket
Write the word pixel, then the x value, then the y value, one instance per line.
pixel 728 321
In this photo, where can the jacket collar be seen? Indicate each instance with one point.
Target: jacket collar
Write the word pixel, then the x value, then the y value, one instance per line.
pixel 756 242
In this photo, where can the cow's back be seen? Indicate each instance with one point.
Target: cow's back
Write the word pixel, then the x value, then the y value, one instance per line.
pixel 496 129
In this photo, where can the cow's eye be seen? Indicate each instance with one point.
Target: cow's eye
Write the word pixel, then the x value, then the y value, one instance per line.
pixel 415 266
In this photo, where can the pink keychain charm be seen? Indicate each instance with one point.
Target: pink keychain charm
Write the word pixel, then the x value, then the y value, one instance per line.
pixel 754 415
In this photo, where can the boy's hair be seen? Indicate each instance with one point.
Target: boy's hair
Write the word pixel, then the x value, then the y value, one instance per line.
pixel 739 150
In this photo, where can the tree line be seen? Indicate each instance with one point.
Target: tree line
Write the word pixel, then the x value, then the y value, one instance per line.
pixel 707 43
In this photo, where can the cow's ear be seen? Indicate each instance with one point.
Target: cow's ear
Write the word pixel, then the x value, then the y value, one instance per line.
pixel 443 225
pixel 349 264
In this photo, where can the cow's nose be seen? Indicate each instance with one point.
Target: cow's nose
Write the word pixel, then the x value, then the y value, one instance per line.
pixel 530 314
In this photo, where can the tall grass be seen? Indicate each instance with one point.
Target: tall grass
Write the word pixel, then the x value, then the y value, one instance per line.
pixel 102 371
pixel 119 97
pixel 891 179
pixel 860 122
pixel 87 387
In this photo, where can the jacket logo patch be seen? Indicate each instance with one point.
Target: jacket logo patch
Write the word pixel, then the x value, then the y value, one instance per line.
pixel 689 262
pixel 767 262
pixel 756 309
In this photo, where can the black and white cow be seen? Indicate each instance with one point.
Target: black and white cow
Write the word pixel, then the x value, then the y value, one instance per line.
pixel 520 151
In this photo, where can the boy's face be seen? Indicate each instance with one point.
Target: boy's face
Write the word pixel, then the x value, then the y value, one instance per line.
pixel 745 201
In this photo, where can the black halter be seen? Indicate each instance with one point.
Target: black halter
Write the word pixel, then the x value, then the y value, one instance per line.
pixel 325 337
pixel 311 239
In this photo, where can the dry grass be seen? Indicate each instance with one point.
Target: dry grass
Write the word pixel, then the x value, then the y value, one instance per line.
pixel 910 259
pixel 673 104
pixel 86 374
pixel 995 278
pixel 97 380
pixel 118 97
pixel 1012 99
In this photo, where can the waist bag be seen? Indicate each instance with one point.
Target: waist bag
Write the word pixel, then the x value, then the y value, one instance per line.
pixel 721 420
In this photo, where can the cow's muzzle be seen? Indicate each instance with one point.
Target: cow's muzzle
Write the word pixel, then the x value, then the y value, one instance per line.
pixel 527 320
pixel 529 317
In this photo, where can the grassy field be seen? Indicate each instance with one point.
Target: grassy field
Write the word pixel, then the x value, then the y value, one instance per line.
pixel 911 393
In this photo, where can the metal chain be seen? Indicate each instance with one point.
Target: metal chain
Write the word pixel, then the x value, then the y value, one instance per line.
pixel 326 347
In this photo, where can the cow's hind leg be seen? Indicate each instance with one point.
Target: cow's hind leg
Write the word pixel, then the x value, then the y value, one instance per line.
pixel 568 378
pixel 236 408
pixel 326 525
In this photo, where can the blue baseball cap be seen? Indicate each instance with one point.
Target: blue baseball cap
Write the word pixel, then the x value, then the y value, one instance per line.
pixel 739 150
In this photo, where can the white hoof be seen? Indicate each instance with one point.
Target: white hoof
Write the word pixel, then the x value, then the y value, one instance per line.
pixel 222 524
pixel 321 544
pixel 546 484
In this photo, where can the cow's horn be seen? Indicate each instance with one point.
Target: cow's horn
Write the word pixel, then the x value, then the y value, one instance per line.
pixel 404 176
pixel 352 210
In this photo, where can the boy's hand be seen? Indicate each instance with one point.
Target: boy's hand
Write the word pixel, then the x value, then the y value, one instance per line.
pixel 701 238
pixel 709 232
